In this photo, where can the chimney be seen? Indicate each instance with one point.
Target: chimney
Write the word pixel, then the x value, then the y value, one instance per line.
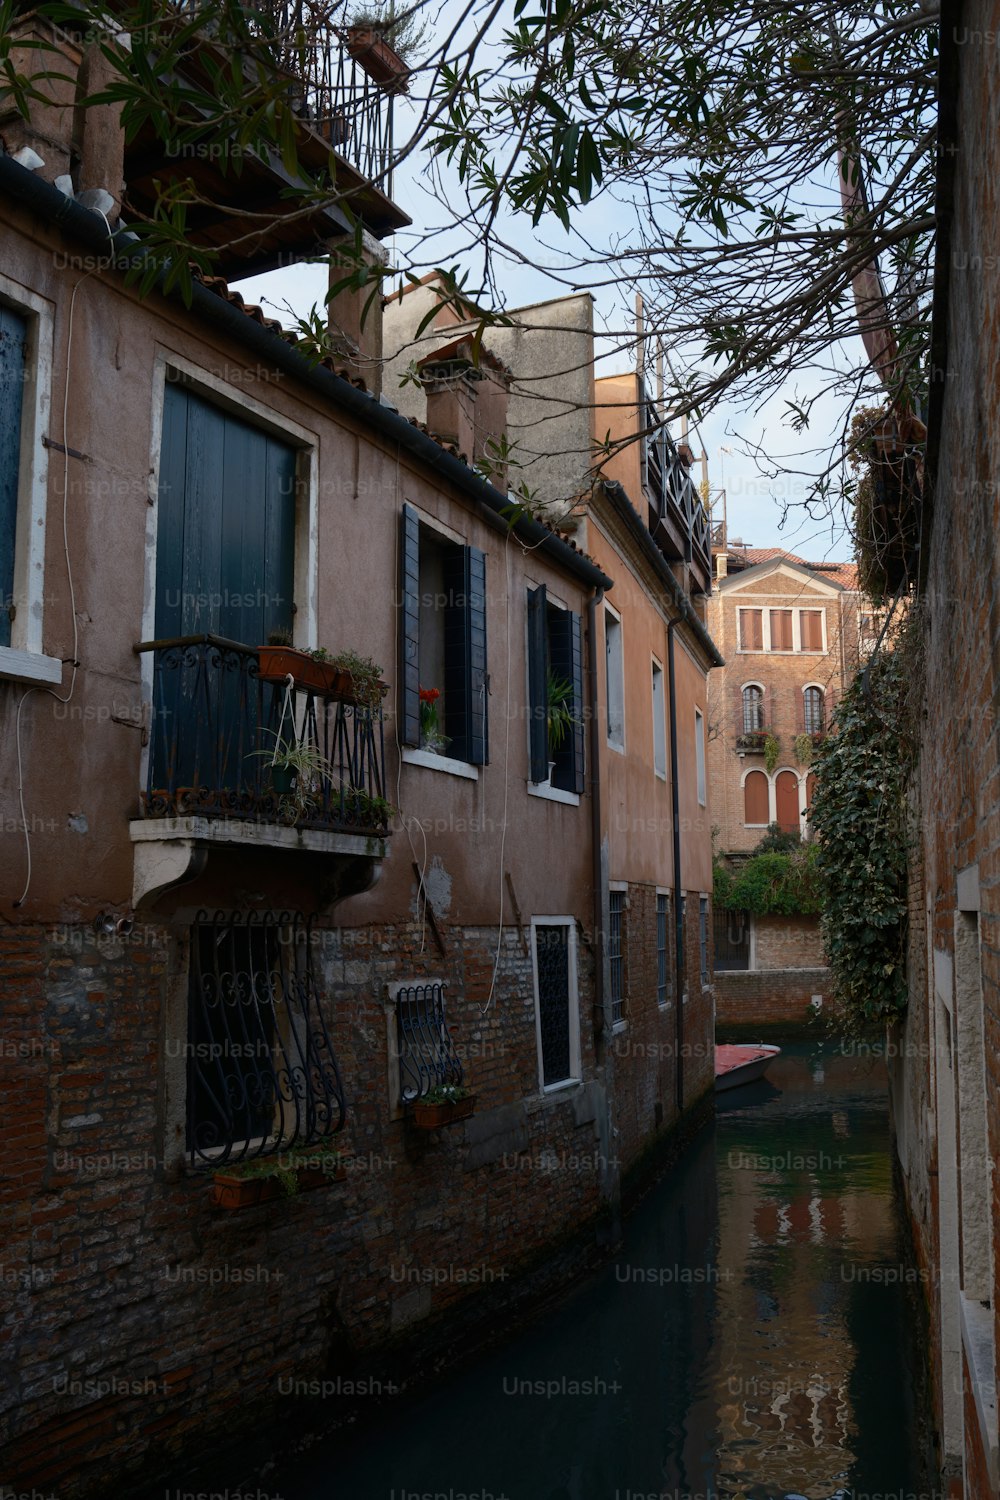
pixel 450 388
pixel 356 333
pixel 467 403
pixel 722 565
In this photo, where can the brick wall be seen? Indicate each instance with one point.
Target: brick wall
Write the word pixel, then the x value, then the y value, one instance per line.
pixel 769 997
pixel 788 943
pixel 141 1320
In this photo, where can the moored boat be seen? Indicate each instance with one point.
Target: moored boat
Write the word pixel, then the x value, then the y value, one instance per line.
pixel 736 1065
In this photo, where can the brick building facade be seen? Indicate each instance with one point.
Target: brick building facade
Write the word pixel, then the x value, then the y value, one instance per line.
pixel 790 634
pixel 166 1013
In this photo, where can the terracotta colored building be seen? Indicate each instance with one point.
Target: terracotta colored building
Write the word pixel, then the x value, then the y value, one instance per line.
pixel 790 633
pixel 248 910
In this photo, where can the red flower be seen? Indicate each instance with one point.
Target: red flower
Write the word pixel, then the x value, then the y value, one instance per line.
pixel 429 695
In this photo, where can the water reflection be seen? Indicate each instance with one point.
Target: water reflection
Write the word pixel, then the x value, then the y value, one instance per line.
pixel 739 1346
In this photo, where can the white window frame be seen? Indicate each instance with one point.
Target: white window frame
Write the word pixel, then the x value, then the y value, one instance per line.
pixel 24 659
pixel 659 720
pixel 749 771
pixel 620 887
pixel 543 789
pixel 766 648
pixel 701 774
pixel 614 742
pixel 573 1005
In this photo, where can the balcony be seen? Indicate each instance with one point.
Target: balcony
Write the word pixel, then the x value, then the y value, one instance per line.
pixel 235 759
pixel 678 520
pixel 341 88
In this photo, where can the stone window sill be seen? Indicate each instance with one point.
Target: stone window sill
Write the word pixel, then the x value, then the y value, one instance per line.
pixel 552 793
pixel 977 1341
pixel 432 762
pixel 30 666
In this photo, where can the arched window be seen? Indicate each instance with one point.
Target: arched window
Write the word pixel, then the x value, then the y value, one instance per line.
pixel 755 804
pixel 786 801
pixel 813 710
pixel 753 708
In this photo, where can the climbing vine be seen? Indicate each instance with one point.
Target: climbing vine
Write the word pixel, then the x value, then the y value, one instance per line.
pixel 859 815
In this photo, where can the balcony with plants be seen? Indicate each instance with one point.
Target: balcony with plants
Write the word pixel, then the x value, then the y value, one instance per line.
pixel 264 745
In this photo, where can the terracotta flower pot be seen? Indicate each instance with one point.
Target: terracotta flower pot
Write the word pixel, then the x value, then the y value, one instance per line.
pixel 230 1190
pixel 432 1116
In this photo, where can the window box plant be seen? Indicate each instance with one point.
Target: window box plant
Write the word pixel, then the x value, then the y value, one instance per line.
pixel 346 677
pixel 753 740
pixel 443 1105
pixel 284 1174
pixel 366 42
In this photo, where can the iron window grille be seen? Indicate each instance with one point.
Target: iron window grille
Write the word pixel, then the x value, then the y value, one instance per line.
pixel 262 1076
pixel 664 986
pixel 552 963
pixel 703 938
pixel 682 943
pixel 426 1052
pixel 616 956
pixel 753 710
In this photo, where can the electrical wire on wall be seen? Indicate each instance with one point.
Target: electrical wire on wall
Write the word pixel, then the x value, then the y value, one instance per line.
pixel 73 660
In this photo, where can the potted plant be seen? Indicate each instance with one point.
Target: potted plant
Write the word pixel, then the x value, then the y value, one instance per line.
pixel 431 737
pixel 297 771
pixel 380 42
pixel 285 1173
pixel 346 677
pixel 559 716
pixel 442 1105
pixel 367 810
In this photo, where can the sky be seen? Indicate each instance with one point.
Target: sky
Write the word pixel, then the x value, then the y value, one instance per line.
pixel 763 510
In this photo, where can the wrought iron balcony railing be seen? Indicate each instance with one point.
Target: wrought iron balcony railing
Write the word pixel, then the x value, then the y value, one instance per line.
pixel 344 91
pixel 215 726
pixel 672 493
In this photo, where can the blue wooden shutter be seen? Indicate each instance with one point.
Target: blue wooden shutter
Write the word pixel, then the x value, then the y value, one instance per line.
pixel 465 655
pixel 576 678
pixel 409 628
pixel 538 740
pixel 566 646
pixel 13 347
pixel 479 740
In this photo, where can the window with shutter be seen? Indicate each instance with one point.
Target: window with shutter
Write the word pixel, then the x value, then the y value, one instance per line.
pixel 751 630
pixel 443 686
pixel 555 681
pixel 786 801
pixel 13 346
pixel 755 800
pixel 781 630
pixel 811 629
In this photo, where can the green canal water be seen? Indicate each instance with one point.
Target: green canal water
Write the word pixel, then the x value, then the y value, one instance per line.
pixel 755 1337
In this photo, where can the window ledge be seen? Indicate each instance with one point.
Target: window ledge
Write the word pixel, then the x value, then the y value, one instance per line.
pixel 618 1027
pixel 549 1090
pixel 977 1341
pixel 412 757
pixel 660 775
pixel 618 748
pixel 552 793
pixel 30 666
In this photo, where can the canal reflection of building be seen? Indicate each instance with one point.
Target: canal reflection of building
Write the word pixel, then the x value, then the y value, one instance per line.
pixel 785 1356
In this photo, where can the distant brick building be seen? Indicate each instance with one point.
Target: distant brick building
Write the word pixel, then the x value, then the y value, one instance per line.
pixel 789 632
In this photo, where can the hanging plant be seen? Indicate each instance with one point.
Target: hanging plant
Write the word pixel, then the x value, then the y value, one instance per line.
pixel 804 749
pixel 772 751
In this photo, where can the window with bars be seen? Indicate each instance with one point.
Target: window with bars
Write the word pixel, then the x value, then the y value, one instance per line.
pixel 557 1016
pixel 753 709
pixel 703 939
pixel 813 710
pixel 261 1072
pixel 616 957
pixel 682 956
pixel 425 1051
pixel 664 984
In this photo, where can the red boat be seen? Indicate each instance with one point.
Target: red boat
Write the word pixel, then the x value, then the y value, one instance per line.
pixel 735 1066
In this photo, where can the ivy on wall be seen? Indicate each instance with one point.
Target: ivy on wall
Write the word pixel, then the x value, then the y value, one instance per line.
pixel 859 815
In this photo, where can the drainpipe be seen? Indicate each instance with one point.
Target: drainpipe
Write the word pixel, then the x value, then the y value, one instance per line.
pixel 675 799
pixel 595 812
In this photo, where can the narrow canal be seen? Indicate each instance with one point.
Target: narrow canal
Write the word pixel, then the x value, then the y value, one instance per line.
pixel 754 1337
